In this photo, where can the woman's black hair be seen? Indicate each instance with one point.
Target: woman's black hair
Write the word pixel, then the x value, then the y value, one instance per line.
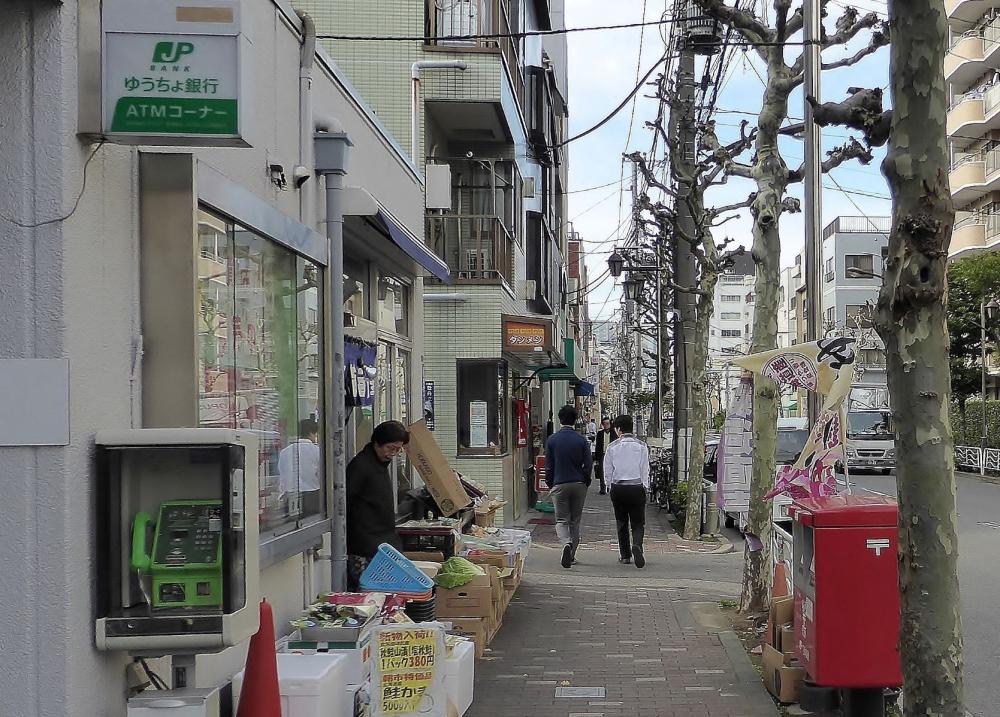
pixel 390 432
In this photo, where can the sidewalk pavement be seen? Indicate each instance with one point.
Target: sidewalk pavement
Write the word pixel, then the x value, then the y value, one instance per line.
pixel 608 640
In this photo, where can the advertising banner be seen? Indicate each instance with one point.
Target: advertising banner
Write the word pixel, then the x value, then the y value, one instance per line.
pixel 408 671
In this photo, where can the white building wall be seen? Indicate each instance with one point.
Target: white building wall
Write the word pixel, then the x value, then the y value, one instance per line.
pixel 70 290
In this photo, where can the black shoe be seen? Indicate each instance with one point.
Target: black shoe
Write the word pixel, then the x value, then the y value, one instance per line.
pixel 625 561
pixel 640 560
pixel 567 556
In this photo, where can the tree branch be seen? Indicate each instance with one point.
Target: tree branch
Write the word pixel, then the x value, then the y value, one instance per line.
pixel 878 40
pixel 853 149
pixel 849 25
pixel 862 110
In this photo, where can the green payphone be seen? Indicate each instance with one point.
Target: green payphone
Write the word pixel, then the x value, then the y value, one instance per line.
pixel 185 565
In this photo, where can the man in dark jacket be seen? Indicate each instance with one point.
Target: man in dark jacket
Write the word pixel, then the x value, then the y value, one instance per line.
pixel 568 463
pixel 371 515
pixel 604 438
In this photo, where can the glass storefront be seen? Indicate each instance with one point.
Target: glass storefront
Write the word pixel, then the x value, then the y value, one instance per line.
pixel 260 362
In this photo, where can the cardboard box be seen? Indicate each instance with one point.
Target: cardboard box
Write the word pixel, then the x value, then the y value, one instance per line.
pixel 441 481
pixel 485 518
pixel 787 641
pixel 475 628
pixel 780 614
pixel 428 556
pixel 496 583
pixel 465 601
pixel 782 680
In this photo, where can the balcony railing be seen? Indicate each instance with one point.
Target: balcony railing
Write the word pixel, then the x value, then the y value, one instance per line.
pixel 451 23
pixel 476 247
pixel 858 225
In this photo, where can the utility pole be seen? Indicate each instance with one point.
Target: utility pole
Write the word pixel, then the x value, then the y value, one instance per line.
pixel 813 198
pixel 683 262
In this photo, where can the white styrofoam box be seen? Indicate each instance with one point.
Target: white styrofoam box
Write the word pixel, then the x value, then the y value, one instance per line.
pixel 310 685
pixel 175 703
pixel 460 675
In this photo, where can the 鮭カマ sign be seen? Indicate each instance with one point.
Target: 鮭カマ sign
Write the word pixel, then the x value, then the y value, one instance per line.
pixel 173 72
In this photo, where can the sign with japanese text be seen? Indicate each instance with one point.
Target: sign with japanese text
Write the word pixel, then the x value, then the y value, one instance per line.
pixel 172 73
pixel 408 670
pixel 429 404
pixel 522 334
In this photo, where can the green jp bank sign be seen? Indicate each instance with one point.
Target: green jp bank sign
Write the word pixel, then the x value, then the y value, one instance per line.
pixel 174 73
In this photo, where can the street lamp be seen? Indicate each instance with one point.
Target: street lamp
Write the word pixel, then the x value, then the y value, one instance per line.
pixel 986 310
pixel 616 263
pixel 632 287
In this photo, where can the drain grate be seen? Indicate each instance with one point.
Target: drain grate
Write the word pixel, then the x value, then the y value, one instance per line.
pixel 580 692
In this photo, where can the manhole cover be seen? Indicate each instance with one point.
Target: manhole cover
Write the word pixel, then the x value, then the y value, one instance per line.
pixel 581 692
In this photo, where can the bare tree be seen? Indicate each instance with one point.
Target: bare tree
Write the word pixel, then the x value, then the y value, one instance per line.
pixel 772 176
pixel 911 318
pixel 660 220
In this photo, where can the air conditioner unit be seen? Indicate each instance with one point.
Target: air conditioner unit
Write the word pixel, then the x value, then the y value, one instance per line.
pixel 528 187
pixel 530 289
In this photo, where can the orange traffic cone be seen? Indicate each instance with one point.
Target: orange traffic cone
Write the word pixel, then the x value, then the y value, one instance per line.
pixel 260 696
pixel 779 588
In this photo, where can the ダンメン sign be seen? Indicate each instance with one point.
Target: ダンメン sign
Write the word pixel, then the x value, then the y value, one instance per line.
pixel 173 72
pixel 523 334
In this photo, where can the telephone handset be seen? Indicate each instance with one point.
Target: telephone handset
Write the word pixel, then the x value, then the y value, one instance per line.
pixel 185 563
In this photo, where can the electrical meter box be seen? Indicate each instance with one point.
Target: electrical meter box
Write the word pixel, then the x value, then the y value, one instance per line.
pixel 177 539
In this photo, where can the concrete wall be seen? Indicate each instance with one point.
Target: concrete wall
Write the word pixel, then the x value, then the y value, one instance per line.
pixel 70 290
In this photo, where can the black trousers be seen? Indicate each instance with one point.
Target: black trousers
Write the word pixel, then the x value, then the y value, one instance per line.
pixel 599 471
pixel 629 502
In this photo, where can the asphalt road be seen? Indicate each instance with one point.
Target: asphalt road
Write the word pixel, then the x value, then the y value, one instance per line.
pixel 979 545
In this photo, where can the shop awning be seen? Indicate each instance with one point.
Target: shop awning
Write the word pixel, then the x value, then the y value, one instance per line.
pixel 584 388
pixel 413 247
pixel 567 373
pixel 360 202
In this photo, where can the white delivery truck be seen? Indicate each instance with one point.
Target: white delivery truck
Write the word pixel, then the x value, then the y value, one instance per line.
pixel 871 441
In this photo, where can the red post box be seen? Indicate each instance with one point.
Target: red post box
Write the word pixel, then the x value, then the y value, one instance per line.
pixel 846 605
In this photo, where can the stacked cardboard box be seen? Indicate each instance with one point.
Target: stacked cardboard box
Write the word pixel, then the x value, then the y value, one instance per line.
pixel 782 673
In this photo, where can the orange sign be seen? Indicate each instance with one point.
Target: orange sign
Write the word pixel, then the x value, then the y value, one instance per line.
pixel 518 335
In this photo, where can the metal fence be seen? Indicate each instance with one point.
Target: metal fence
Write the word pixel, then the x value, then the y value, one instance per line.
pixel 858 225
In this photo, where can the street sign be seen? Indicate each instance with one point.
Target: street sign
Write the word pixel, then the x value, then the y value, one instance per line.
pixel 174 73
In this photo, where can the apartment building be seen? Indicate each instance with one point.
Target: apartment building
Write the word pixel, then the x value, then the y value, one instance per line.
pixel 731 326
pixel 484 118
pixel 854 249
pixel 973 125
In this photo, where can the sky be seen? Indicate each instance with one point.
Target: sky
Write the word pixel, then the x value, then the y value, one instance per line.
pixel 605 65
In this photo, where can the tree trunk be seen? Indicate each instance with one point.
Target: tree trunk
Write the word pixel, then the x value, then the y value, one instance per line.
pixel 771 175
pixel 912 320
pixel 699 401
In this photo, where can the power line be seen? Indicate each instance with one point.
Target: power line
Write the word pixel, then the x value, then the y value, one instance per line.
pixel 430 39
pixel 76 202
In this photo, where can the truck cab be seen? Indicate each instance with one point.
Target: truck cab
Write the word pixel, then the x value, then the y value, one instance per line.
pixel 871 440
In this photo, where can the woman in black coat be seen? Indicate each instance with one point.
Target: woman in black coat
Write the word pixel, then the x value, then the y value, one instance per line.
pixel 371 515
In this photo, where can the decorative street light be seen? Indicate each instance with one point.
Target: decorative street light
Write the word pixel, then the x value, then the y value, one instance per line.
pixel 632 287
pixel 616 263
pixel 986 311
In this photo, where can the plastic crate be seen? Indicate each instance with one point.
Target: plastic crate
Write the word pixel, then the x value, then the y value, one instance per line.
pixel 391 571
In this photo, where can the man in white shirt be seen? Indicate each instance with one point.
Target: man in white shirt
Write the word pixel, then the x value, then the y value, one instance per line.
pixel 298 470
pixel 626 471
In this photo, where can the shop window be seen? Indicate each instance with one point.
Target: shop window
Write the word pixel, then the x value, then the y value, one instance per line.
pixel 356 288
pixel 394 305
pixel 260 363
pixel 482 401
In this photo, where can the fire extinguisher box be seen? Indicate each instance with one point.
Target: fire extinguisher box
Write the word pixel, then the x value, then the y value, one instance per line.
pixel 846 609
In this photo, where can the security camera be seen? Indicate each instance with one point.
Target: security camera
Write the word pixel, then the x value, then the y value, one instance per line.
pixel 300 175
pixel 277 173
pixel 469 154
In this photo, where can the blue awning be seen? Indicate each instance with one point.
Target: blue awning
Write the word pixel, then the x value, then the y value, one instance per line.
pixel 412 245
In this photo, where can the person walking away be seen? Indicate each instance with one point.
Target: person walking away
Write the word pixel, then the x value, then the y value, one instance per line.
pixel 568 463
pixel 371 514
pixel 604 439
pixel 626 469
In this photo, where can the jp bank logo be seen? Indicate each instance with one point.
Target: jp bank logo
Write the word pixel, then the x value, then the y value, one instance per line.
pixel 171 52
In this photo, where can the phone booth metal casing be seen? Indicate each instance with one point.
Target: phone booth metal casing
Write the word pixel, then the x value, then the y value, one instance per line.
pixel 177 539
pixel 846 590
